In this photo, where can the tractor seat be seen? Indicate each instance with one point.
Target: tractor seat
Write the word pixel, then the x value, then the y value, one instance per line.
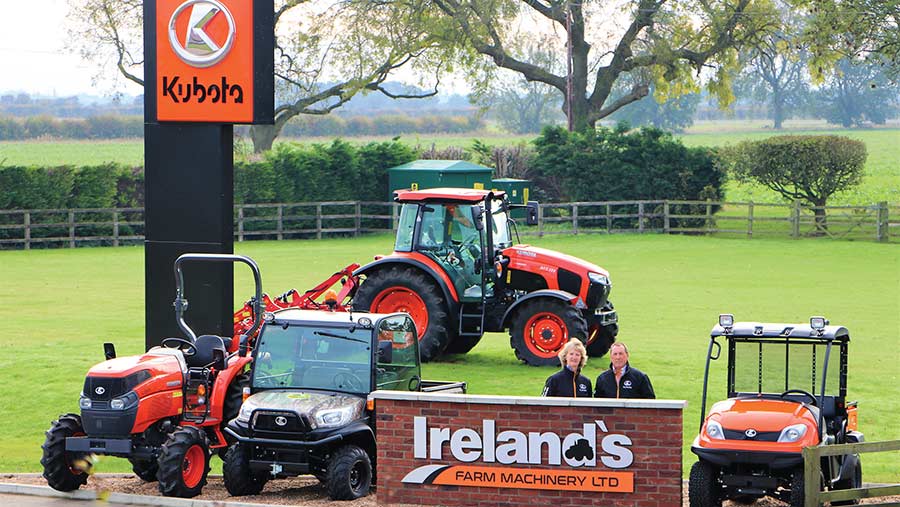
pixel 206 344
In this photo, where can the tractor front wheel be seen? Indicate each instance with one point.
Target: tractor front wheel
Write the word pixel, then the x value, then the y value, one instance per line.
pixel 541 328
pixel 704 489
pixel 184 463
pixel 145 469
pixel 405 289
pixel 349 473
pixel 239 479
pixel 64 471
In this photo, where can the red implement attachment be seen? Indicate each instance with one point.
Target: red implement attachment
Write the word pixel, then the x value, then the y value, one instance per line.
pixel 243 318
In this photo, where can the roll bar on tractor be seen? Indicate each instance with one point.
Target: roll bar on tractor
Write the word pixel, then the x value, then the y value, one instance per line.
pixel 181 303
pixel 818 330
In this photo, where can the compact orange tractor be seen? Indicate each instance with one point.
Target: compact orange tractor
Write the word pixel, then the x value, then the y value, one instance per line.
pixel 163 410
pixel 457 272
pixel 750 445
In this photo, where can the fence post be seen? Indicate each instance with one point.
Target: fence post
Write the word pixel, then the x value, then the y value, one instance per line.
pixel 540 221
pixel 666 224
pixel 750 220
pixel 708 216
pixel 811 481
pixel 608 219
pixel 358 222
pixel 640 218
pixel 575 218
pixel 27 230
pixel 240 224
pixel 318 220
pixel 883 233
pixel 795 220
pixel 279 227
pixel 115 227
pixel 71 229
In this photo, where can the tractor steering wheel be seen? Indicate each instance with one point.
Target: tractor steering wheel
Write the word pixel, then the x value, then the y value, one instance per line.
pixel 187 348
pixel 809 395
pixel 348 380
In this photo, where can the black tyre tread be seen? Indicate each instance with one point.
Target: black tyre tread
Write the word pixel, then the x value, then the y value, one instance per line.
pixel 703 486
pixel 54 460
pixel 144 469
pixel 239 480
pixel 851 483
pixel 577 327
pixel 171 457
pixel 339 467
pixel 606 336
pixel 435 339
pixel 462 344
pixel 798 496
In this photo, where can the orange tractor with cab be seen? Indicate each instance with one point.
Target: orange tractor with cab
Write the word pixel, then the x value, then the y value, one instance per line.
pixel 163 410
pixel 787 389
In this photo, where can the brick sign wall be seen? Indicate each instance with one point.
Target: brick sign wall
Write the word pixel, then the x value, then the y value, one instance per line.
pixel 500 450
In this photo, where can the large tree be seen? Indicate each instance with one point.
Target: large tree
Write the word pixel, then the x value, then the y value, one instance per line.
pixel 326 51
pixel 776 72
pixel 675 41
pixel 856 93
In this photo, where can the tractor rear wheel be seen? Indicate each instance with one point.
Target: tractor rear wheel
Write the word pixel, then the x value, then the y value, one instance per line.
pixel 184 463
pixel 145 469
pixel 349 473
pixel 703 486
pixel 406 289
pixel 64 471
pixel 541 328
pixel 239 479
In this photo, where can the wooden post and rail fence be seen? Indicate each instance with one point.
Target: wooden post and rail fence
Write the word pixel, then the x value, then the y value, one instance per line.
pixel 812 459
pixel 26 229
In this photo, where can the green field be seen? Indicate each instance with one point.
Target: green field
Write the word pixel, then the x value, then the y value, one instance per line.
pixel 61 305
pixel 882 181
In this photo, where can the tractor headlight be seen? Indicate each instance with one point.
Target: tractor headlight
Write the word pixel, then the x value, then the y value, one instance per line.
pixel 84 402
pixel 128 400
pixel 337 417
pixel 792 433
pixel 714 430
pixel 598 278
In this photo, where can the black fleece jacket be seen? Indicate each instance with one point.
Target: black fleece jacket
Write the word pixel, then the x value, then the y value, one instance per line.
pixel 567 383
pixel 633 384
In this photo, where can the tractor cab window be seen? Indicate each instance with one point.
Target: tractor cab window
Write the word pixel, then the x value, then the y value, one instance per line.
pixel 449 236
pixel 401 373
pixel 501 235
pixel 775 367
pixel 406 227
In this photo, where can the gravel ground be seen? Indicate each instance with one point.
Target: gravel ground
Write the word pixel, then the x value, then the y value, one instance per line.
pixel 303 491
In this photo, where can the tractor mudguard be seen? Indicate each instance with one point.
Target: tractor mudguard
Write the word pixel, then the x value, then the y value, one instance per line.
pixel 429 268
pixel 553 293
pixel 223 380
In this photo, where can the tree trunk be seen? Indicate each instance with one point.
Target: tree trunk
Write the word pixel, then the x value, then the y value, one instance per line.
pixel 777 107
pixel 263 136
pixel 820 218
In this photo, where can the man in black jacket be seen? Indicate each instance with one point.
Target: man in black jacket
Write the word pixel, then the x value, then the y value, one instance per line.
pixel 569 381
pixel 621 380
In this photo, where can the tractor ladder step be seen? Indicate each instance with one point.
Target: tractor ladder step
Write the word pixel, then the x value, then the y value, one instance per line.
pixel 471 319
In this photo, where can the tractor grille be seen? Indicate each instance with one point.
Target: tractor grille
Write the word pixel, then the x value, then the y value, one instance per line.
pixel 265 424
pixel 762 436
pixel 107 388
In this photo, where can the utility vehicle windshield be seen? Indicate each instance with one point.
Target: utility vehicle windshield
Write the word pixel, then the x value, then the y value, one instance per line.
pixel 776 366
pixel 314 357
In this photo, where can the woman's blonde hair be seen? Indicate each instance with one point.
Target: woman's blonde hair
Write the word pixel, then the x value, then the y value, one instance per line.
pixel 576 344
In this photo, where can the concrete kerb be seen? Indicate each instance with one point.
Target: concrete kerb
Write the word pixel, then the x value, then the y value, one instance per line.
pixel 120 498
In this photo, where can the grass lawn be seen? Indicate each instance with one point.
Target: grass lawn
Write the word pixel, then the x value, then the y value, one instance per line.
pixel 61 305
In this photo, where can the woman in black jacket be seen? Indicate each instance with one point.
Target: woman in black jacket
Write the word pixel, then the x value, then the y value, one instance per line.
pixel 569 381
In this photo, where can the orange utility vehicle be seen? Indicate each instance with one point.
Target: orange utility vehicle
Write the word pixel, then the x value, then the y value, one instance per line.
pixel 750 445
pixel 456 270
pixel 164 410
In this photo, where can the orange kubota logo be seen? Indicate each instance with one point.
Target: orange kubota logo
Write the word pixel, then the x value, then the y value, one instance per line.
pixel 205 60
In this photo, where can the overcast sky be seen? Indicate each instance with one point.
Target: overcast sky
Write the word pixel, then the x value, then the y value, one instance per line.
pixel 33 58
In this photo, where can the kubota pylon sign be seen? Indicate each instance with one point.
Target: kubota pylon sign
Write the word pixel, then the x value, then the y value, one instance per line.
pixel 207 66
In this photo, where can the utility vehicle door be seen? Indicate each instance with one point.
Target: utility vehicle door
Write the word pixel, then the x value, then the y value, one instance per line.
pixel 397 370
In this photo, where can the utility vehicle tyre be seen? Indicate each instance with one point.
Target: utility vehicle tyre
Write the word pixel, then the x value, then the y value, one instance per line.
pixel 541 328
pixel 703 486
pixel 64 471
pixel 239 480
pixel 852 483
pixel 184 463
pixel 407 289
pixel 144 469
pixel 234 397
pixel 349 473
pixel 797 494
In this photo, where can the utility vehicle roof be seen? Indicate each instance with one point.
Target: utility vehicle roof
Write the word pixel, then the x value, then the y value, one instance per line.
pixel 460 195
pixel 778 331
pixel 324 316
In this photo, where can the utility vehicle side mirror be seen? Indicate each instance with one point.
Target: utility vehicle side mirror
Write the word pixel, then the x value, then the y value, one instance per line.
pixel 219 359
pixel 385 352
pixel 109 351
pixel 715 355
pixel 531 213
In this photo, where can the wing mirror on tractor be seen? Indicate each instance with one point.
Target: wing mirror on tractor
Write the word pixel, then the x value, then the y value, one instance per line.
pixel 385 352
pixel 109 351
pixel 531 213
pixel 219 362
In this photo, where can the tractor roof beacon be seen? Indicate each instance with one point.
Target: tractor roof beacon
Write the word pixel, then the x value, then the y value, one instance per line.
pixel 750 445
pixel 456 270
